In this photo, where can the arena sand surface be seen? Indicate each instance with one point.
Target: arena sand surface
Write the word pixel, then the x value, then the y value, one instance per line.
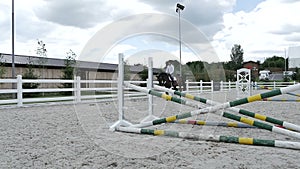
pixel 78 136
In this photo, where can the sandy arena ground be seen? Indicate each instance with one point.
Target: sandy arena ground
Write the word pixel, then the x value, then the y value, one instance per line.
pixel 78 136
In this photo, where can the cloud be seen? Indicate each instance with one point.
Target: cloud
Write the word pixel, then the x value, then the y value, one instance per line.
pixel 86 14
pixel 159 57
pixel 204 14
pixel 5 22
pixel 293 37
pixel 28 27
pixel 63 25
pixel 263 32
pixel 287 29
pixel 157 25
pixel 73 12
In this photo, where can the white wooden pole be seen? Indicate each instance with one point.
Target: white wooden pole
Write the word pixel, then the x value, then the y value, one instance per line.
pixel 19 91
pixel 150 116
pixel 121 121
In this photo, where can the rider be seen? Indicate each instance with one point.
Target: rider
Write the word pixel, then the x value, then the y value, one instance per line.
pixel 170 70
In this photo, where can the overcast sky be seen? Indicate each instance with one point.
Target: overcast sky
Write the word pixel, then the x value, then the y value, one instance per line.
pixel 262 27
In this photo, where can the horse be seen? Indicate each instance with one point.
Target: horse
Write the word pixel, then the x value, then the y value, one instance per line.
pixel 164 80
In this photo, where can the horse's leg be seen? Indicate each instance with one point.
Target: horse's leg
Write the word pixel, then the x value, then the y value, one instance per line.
pixel 174 84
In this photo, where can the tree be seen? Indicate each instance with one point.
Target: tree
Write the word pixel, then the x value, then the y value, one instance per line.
pixel 127 72
pixel 41 51
pixel 2 66
pixel 297 74
pixel 68 71
pixel 275 61
pixel 29 74
pixel 144 74
pixel 198 70
pixel 236 56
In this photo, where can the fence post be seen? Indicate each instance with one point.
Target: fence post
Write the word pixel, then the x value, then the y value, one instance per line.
pixel 212 86
pixel 201 86
pixel 187 85
pixel 274 85
pixel 255 84
pixel 229 85
pixel 221 85
pixel 78 87
pixel 19 91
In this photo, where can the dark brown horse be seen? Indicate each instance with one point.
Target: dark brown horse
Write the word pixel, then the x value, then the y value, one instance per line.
pixel 165 80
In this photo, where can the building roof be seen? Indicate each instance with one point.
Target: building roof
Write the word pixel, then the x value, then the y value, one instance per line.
pixel 59 63
pixel 250 62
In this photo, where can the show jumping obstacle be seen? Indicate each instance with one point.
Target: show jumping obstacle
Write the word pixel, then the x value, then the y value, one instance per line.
pixel 162 95
pixel 243 82
pixel 282 100
pixel 215 138
pixel 270 88
pixel 122 125
pixel 213 123
pixel 234 109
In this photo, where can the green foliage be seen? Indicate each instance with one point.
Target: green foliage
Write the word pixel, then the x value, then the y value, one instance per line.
pixel 41 51
pixel 144 74
pixel 127 72
pixel 230 75
pixel 29 74
pixel 206 71
pixel 198 70
pixel 275 61
pixel 196 66
pixel 287 78
pixel 297 74
pixel 68 71
pixel 229 65
pixel 236 57
pixel 2 66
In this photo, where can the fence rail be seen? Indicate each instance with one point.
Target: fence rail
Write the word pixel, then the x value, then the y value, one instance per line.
pixel 78 93
pixel 108 89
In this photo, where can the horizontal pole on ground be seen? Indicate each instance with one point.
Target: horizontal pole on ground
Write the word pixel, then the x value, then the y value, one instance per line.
pixel 215 138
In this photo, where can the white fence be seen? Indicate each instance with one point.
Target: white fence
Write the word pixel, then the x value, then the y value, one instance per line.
pixel 108 91
pixel 200 87
pixel 78 93
pixel 274 84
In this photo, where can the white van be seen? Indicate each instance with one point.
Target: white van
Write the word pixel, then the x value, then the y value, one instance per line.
pixel 264 75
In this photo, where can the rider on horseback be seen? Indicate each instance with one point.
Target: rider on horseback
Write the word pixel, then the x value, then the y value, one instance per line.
pixel 170 70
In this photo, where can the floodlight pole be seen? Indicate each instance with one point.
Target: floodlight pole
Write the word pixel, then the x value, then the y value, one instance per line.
pixel 178 8
pixel 13 42
pixel 284 60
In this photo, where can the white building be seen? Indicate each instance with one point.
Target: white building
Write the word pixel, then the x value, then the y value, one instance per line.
pixel 294 57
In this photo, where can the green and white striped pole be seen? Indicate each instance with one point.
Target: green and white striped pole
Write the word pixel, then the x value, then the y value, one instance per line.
pixel 220 106
pixel 213 123
pixel 271 88
pixel 162 95
pixel 262 125
pixel 236 110
pixel 282 100
pixel 215 138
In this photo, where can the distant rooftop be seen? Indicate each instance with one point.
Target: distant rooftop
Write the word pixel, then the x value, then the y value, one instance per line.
pixel 59 63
